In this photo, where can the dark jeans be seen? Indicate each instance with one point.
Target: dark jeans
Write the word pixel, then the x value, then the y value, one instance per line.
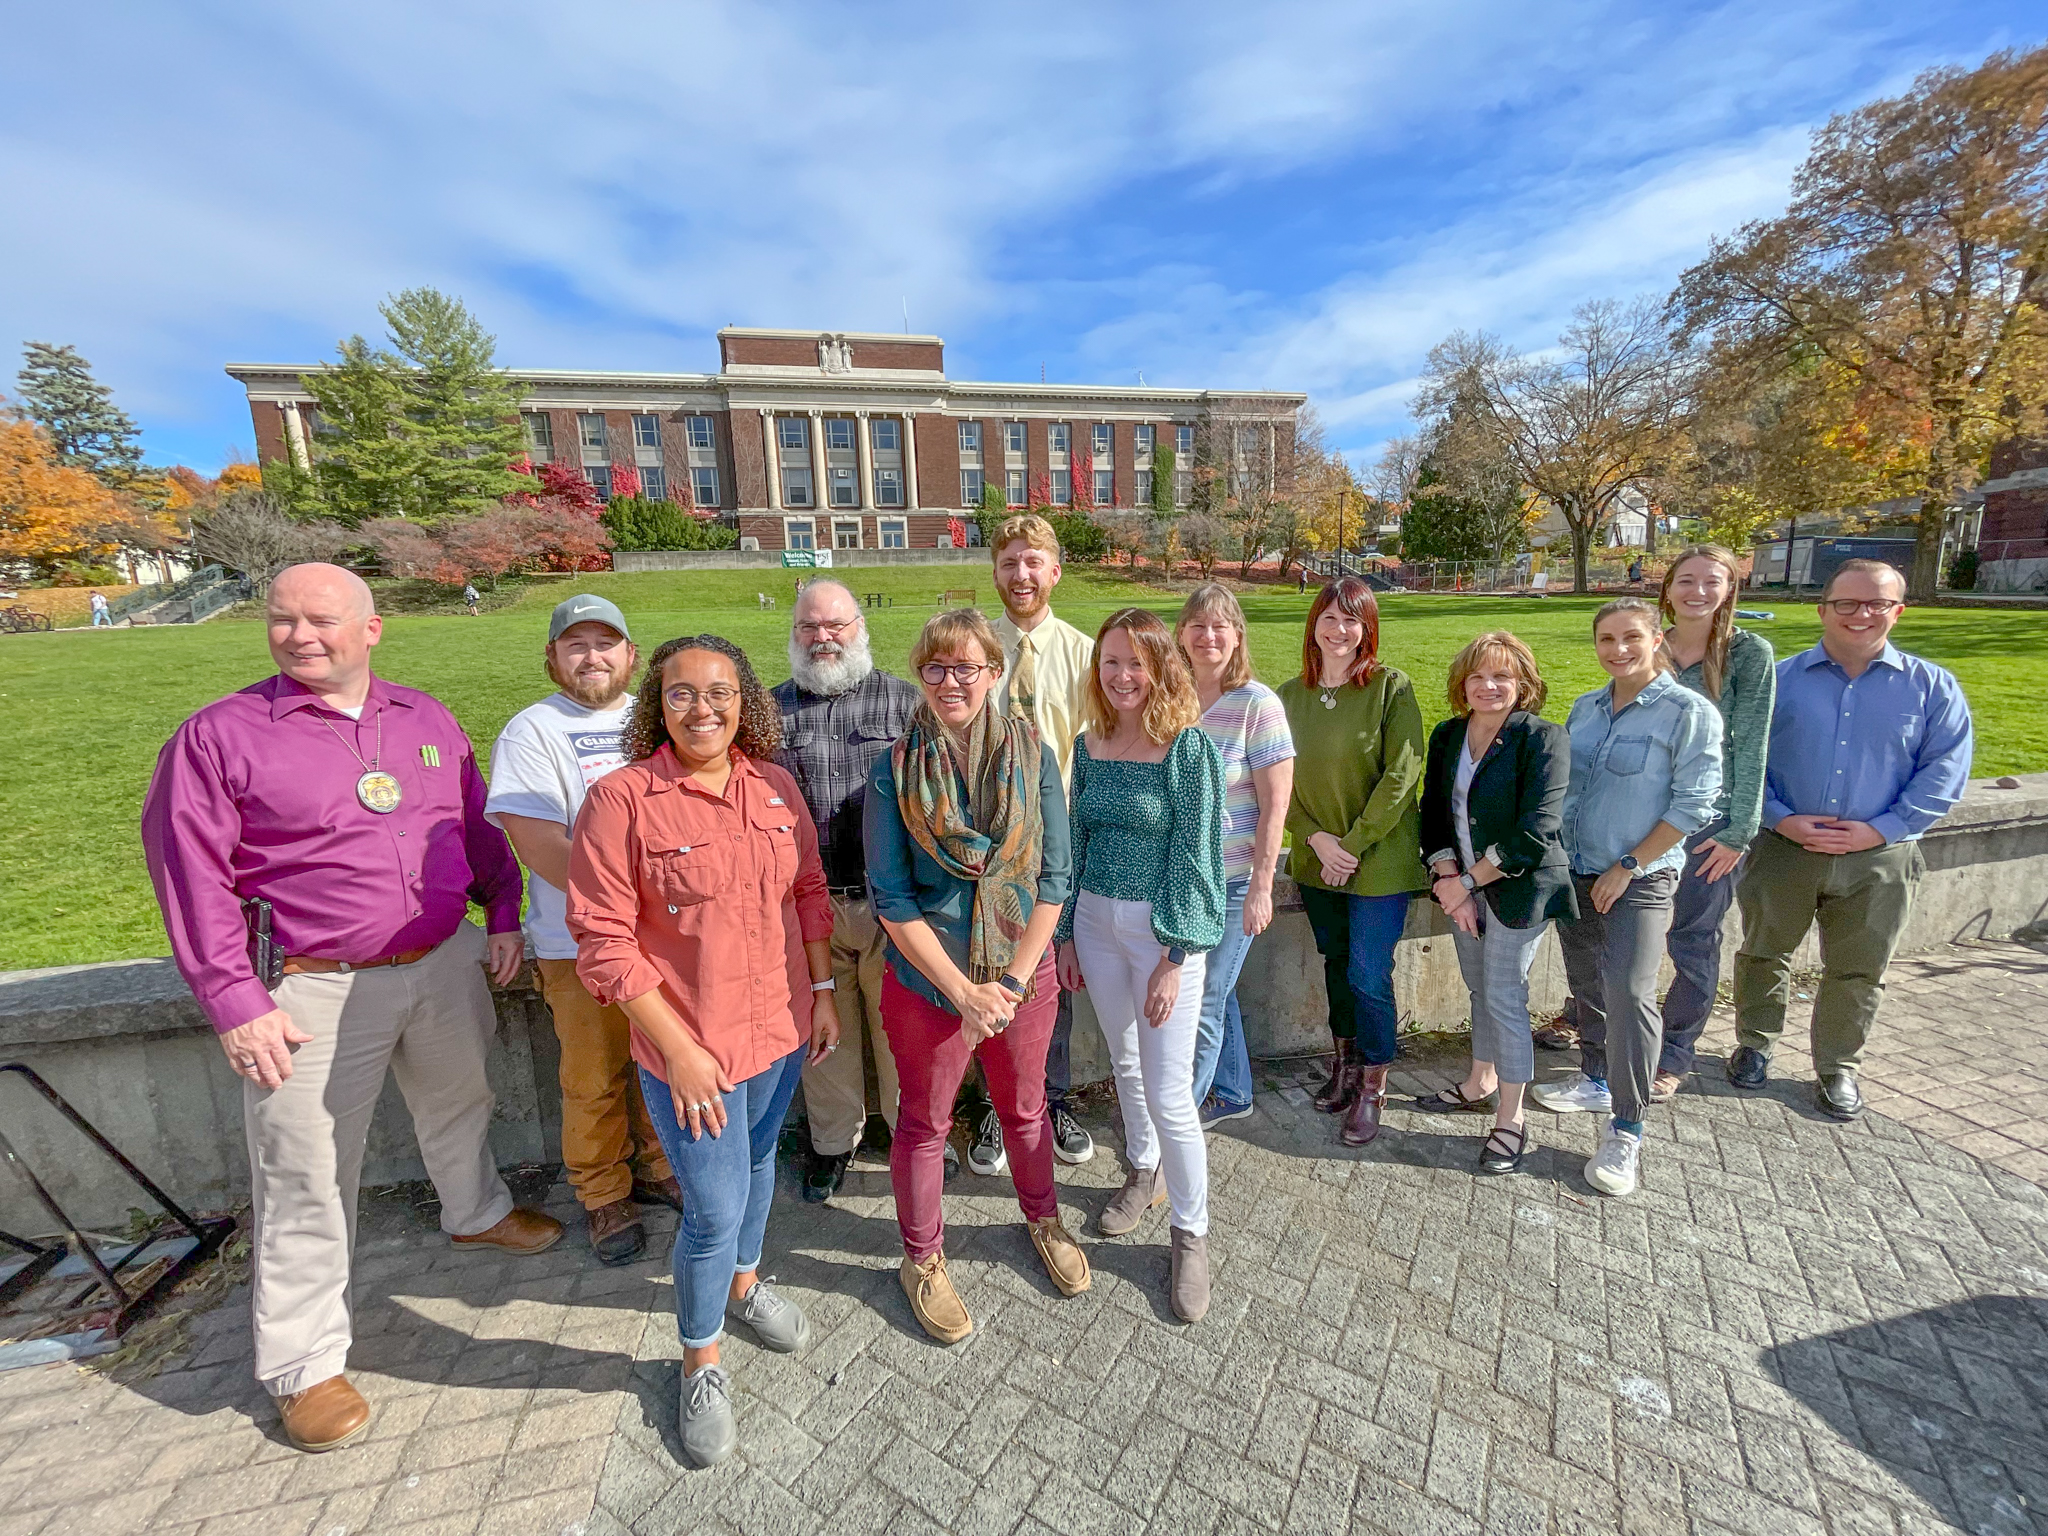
pixel 1694 944
pixel 1610 960
pixel 1356 936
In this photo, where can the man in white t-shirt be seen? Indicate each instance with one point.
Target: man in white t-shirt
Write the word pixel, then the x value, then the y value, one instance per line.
pixel 545 760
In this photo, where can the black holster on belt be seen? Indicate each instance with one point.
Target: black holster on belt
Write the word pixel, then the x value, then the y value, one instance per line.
pixel 266 955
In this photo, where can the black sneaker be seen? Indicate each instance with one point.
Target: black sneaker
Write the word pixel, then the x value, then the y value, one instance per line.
pixel 952 1159
pixel 825 1177
pixel 986 1156
pixel 1070 1143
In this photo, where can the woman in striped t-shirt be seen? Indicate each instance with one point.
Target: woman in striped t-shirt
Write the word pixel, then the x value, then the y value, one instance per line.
pixel 1246 721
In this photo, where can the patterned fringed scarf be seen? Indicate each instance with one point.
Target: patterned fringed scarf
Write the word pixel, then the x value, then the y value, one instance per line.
pixel 995 840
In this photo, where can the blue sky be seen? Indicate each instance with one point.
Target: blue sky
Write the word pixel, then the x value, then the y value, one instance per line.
pixel 1289 196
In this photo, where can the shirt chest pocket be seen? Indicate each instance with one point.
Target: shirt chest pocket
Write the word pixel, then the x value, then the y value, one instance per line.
pixel 688 874
pixel 776 828
pixel 1628 755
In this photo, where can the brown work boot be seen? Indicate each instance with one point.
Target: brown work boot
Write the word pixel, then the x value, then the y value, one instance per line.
pixel 524 1231
pixel 665 1190
pixel 328 1414
pixel 1342 1087
pixel 616 1233
pixel 1064 1261
pixel 1143 1189
pixel 1188 1290
pixel 932 1297
pixel 1362 1121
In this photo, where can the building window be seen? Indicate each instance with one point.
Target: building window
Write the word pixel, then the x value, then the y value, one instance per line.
pixel 646 431
pixel 654 482
pixel 600 476
pixel 1060 438
pixel 846 534
pixel 887 434
pixel 591 429
pixel 1105 487
pixel 970 487
pixel 1062 490
pixel 1142 438
pixel 1143 487
pixel 845 488
pixel 540 435
pixel 799 533
pixel 792 433
pixel 1183 488
pixel 796 485
pixel 970 437
pixel 697 430
pixel 895 532
pixel 839 433
pixel 1183 441
pixel 704 486
pixel 1105 440
pixel 1015 490
pixel 888 487
pixel 1013 437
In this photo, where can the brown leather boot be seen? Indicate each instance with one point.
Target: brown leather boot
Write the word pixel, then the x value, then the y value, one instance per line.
pixel 327 1414
pixel 523 1231
pixel 1363 1121
pixel 1336 1095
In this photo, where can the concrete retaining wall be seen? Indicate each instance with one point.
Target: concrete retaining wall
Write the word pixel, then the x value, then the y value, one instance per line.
pixel 771 559
pixel 126 1043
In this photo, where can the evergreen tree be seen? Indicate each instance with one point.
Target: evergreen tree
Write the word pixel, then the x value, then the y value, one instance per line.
pixel 427 429
pixel 88 431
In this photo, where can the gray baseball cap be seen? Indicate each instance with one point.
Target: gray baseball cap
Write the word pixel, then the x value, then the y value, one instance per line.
pixel 584 608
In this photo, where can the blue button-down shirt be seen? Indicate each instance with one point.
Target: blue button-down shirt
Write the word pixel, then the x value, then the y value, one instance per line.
pixel 1891 747
pixel 1656 759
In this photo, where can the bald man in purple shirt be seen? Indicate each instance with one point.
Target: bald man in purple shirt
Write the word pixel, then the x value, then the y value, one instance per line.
pixel 355 809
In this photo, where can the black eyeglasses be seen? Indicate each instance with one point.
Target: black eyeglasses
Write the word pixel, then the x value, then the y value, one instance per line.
pixel 935 672
pixel 1849 607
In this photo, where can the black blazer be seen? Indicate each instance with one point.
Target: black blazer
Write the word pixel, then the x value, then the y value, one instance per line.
pixel 1516 804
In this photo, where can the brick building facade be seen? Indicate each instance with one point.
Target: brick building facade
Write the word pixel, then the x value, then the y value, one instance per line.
pixel 2012 539
pixel 837 440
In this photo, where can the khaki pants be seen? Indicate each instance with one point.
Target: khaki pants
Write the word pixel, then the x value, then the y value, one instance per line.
pixel 1861 900
pixel 606 1134
pixel 835 1089
pixel 431 1024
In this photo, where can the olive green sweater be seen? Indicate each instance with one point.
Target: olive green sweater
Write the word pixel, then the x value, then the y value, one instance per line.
pixel 1357 771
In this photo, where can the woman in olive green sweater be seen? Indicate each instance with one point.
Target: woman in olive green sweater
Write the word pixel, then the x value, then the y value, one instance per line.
pixel 1357 835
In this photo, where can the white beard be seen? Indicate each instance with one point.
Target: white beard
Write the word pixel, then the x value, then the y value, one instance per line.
pixel 830 676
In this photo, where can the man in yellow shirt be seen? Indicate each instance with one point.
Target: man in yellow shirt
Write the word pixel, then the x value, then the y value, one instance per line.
pixel 1045 680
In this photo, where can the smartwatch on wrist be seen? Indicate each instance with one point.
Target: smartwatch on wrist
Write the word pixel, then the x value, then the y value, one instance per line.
pixel 1467 881
pixel 1632 864
pixel 1011 985
pixel 1175 955
pixel 830 984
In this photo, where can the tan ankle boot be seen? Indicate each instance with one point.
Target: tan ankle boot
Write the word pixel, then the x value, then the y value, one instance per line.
pixel 932 1297
pixel 1188 1290
pixel 1064 1261
pixel 1143 1189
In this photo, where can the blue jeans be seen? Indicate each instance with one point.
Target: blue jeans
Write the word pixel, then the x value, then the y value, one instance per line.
pixel 728 1184
pixel 1221 1061
pixel 1356 936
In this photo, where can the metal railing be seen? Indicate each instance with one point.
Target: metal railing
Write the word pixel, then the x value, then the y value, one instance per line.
pixel 163 592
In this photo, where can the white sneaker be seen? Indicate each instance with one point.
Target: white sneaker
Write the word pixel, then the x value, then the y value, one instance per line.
pixel 1572 1093
pixel 1612 1169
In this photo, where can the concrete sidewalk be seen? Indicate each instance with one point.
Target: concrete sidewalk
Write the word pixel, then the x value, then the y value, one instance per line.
pixel 1794 1327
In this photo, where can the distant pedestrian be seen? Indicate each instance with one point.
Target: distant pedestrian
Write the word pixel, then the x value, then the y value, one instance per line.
pixel 1635 571
pixel 100 615
pixel 1301 580
pixel 470 598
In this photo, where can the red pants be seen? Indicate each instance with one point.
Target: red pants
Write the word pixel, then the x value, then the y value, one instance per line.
pixel 931 1059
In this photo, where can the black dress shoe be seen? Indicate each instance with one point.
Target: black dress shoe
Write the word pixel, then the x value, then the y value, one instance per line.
pixel 1838 1096
pixel 1748 1068
pixel 825 1177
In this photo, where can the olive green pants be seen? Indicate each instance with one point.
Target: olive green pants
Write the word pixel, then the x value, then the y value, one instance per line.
pixel 1861 901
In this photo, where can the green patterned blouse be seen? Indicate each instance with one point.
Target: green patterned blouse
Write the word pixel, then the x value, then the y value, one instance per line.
pixel 1153 832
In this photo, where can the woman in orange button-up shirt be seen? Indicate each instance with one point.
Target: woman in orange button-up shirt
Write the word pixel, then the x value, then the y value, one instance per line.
pixel 698 905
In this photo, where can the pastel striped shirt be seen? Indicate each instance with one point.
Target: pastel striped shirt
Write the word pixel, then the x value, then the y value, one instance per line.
pixel 1249 727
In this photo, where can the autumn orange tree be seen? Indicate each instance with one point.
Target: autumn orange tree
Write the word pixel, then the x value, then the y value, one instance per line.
pixel 49 513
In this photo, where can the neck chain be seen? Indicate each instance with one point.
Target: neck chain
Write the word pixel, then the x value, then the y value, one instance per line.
pixel 377 790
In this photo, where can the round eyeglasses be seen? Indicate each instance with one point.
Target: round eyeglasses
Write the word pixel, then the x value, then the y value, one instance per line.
pixel 935 672
pixel 683 699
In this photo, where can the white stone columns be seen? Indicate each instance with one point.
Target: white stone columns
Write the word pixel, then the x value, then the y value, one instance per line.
pixel 864 455
pixel 295 436
pixel 773 460
pixel 821 476
pixel 910 461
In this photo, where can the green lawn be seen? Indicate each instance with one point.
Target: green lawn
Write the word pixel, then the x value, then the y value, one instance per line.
pixel 86 712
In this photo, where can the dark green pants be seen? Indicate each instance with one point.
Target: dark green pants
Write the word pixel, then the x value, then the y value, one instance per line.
pixel 1861 900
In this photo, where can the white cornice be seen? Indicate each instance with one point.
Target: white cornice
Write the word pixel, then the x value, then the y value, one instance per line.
pixel 822 332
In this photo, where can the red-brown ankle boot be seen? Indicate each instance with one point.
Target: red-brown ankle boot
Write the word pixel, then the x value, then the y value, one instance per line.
pixel 1363 1121
pixel 1343 1087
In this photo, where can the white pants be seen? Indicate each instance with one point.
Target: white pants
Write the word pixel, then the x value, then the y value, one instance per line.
pixel 430 1023
pixel 1155 1067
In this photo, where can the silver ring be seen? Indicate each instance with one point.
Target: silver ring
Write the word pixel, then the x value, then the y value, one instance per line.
pixel 703 1107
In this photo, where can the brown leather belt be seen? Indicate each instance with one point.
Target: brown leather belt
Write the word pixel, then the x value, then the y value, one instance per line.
pixel 296 965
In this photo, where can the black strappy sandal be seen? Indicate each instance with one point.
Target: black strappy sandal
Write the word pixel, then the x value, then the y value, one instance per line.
pixel 1494 1156
pixel 1452 1101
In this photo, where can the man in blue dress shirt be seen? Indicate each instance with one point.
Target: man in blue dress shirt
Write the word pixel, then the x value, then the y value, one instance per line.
pixel 1869 748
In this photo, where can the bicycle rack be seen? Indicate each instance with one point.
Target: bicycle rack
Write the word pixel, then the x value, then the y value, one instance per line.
pixel 207 1235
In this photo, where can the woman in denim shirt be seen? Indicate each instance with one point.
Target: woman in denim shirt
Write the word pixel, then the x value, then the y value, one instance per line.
pixel 1646 775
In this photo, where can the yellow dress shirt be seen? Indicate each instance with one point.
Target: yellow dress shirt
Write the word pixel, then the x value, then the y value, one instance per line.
pixel 1061 708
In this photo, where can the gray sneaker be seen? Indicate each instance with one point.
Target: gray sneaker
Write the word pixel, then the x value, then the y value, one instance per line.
pixel 779 1325
pixel 707 1428
pixel 1143 1189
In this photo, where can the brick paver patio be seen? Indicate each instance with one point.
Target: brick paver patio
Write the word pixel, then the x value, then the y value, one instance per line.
pixel 1794 1327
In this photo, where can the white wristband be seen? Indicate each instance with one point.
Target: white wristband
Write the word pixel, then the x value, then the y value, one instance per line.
pixel 828 985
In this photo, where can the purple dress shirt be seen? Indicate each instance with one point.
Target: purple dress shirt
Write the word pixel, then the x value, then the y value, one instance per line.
pixel 254 796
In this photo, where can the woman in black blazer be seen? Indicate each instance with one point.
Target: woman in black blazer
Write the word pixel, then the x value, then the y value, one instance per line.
pixel 1492 796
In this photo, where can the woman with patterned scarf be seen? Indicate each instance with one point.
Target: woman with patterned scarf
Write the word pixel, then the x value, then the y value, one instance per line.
pixel 969 864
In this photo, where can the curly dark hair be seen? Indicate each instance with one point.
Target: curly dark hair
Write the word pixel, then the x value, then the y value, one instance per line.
pixel 760 731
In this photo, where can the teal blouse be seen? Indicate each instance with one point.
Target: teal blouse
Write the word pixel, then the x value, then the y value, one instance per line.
pixel 1153 832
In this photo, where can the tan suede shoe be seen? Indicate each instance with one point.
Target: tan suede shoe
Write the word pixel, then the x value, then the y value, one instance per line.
pixel 1188 1289
pixel 328 1414
pixel 932 1297
pixel 524 1231
pixel 1064 1261
pixel 1143 1188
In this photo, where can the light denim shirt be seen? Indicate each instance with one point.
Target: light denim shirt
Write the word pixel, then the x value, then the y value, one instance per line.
pixel 1659 759
pixel 1891 747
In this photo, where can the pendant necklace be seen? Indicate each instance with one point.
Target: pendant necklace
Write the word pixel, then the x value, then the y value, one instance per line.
pixel 1330 695
pixel 378 791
